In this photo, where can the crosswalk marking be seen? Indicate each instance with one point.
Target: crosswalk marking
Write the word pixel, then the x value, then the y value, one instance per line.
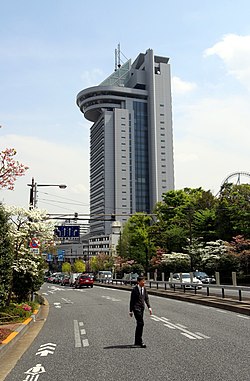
pixel 184 330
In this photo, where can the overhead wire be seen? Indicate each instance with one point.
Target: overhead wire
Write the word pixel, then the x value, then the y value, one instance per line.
pixel 64 198
pixel 57 206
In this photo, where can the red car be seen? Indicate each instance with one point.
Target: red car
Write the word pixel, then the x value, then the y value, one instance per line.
pixel 84 280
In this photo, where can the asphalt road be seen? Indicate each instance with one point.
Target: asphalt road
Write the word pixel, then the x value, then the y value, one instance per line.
pixel 88 335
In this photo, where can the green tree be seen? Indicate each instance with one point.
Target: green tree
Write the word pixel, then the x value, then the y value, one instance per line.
pixel 79 266
pixel 233 211
pixel 102 261
pixel 185 215
pixel 66 267
pixel 6 257
pixel 136 241
pixel 205 224
pixel 168 237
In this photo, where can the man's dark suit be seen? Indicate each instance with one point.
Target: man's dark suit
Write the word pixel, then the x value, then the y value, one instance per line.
pixel 137 307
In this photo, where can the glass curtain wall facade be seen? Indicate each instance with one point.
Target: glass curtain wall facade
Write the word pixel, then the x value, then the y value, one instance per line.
pixel 141 157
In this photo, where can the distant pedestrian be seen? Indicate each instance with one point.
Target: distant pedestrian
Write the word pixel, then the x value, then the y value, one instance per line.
pixel 138 299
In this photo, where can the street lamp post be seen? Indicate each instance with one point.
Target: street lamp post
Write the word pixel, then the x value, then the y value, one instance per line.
pixel 33 191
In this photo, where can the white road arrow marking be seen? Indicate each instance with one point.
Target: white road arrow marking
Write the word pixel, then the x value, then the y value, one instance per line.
pixel 67 301
pixel 46 349
pixel 44 352
pixel 43 345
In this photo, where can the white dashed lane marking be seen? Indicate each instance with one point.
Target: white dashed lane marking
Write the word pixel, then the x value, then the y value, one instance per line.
pixel 79 342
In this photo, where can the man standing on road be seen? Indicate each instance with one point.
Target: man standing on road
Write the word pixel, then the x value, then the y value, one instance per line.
pixel 139 297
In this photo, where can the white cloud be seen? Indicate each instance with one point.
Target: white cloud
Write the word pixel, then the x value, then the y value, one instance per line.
pixel 234 51
pixel 211 141
pixel 49 163
pixel 211 134
pixel 181 87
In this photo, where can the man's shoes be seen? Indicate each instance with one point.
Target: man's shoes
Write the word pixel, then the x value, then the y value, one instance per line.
pixel 142 345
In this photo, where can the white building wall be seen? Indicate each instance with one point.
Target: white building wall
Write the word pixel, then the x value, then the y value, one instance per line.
pixel 122 162
pixel 164 138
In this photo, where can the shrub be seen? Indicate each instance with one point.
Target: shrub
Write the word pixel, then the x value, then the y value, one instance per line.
pixel 15 312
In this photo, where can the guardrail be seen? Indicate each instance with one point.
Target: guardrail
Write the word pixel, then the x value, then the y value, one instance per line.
pixel 183 286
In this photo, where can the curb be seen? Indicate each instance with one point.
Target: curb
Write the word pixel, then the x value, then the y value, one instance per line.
pixel 15 335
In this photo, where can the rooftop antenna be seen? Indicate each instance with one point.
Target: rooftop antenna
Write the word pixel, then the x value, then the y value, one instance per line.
pixel 117 57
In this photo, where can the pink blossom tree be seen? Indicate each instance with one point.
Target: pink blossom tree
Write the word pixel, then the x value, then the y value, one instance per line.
pixel 10 168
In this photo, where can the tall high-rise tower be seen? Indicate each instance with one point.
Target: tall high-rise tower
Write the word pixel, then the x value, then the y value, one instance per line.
pixel 131 139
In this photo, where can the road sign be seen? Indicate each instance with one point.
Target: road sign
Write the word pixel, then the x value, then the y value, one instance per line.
pixel 49 257
pixel 70 231
pixel 34 243
pixel 60 255
pixel 34 250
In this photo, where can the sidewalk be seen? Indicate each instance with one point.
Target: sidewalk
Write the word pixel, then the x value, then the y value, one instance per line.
pixel 18 329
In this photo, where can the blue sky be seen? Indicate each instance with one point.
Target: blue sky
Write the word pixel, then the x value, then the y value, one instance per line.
pixel 50 50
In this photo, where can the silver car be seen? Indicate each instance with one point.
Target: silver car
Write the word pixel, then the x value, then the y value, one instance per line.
pixel 180 279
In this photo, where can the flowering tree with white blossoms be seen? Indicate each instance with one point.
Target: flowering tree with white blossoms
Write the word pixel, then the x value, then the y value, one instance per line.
pixel 10 168
pixel 25 227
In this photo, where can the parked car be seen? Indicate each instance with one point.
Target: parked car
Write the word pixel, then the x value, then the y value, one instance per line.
pixel 65 280
pixel 72 279
pixel 204 277
pixel 52 278
pixel 58 278
pixel 105 275
pixel 84 280
pixel 130 278
pixel 186 279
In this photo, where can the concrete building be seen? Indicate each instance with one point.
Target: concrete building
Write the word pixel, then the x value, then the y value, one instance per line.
pixel 131 140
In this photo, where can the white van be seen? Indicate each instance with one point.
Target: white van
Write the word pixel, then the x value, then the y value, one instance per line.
pixel 106 275
pixel 72 279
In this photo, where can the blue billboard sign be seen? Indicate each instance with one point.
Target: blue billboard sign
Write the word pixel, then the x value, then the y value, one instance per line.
pixel 49 257
pixel 70 231
pixel 60 255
